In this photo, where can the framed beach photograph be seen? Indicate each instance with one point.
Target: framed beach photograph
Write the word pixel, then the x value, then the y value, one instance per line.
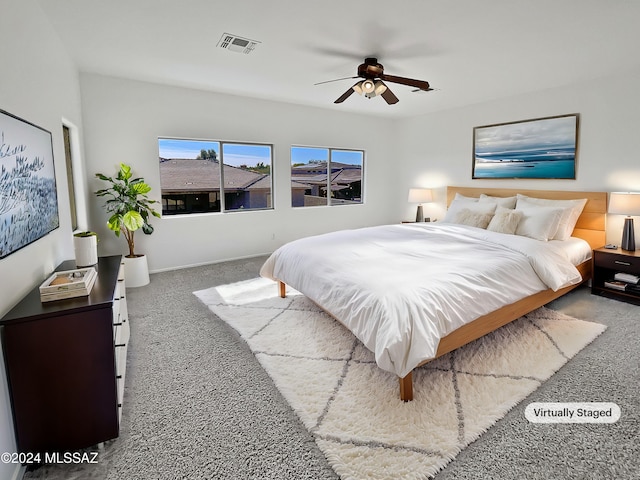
pixel 28 196
pixel 538 148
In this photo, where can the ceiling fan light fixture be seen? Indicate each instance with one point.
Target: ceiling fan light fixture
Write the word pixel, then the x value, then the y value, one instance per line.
pixel 380 88
pixel 373 83
pixel 368 86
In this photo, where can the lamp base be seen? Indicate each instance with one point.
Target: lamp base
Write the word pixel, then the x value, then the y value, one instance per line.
pixel 419 214
pixel 628 237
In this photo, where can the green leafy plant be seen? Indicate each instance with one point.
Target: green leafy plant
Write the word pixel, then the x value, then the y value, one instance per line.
pixel 128 204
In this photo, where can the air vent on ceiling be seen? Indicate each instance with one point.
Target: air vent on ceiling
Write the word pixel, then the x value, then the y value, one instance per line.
pixel 236 43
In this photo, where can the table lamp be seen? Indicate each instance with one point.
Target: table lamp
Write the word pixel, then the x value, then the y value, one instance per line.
pixel 625 203
pixel 420 196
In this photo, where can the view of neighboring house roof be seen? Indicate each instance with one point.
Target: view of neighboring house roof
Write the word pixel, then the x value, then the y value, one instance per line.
pixel 263 184
pixel 347 176
pixel 188 175
pixel 321 167
pixel 320 179
pixel 342 174
pixel 344 178
pixel 183 175
pixel 340 178
pixel 298 185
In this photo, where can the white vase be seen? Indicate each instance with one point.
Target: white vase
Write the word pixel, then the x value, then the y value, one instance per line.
pixel 86 250
pixel 136 271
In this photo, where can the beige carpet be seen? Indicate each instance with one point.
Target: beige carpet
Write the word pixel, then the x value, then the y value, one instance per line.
pixel 352 407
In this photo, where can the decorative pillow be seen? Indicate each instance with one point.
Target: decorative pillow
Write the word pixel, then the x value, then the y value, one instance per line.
pixel 505 220
pixel 571 211
pixel 459 204
pixel 538 222
pixel 507 202
pixel 466 216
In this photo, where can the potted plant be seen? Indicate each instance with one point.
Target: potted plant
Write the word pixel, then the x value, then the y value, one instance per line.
pixel 130 209
pixel 85 246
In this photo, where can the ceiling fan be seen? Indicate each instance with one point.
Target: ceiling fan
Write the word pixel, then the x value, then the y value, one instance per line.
pixel 373 84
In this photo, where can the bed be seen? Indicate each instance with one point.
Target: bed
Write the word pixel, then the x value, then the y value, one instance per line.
pixel 414 292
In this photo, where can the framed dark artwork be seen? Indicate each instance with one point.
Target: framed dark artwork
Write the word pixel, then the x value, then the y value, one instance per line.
pixel 28 197
pixel 538 148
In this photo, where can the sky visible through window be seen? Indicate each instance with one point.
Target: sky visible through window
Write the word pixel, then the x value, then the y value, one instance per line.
pixel 235 154
pixel 302 155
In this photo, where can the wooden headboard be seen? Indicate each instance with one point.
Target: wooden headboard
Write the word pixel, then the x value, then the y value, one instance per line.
pixel 591 223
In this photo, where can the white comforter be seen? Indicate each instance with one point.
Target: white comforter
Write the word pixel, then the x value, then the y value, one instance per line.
pixel 400 288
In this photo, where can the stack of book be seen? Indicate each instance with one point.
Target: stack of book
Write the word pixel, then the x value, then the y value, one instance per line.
pixel 68 284
pixel 625 282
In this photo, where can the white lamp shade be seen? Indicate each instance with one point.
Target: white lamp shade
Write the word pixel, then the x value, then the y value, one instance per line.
pixel 380 88
pixel 624 203
pixel 368 86
pixel 420 195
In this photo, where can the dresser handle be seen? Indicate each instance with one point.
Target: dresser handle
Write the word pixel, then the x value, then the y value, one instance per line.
pixel 120 345
pixel 622 263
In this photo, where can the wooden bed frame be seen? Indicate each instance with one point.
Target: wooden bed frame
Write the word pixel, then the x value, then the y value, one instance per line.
pixel 590 227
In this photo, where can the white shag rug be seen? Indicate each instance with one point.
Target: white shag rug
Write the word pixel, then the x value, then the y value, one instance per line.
pixel 352 407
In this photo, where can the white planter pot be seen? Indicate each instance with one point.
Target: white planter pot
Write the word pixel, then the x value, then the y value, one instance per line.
pixel 136 271
pixel 86 250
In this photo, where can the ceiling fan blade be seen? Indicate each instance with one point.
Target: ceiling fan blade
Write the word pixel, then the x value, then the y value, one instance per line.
pixel 345 95
pixel 419 84
pixel 335 80
pixel 389 97
pixel 336 52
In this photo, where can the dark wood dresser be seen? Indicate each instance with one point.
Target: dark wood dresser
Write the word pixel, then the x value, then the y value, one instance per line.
pixel 65 363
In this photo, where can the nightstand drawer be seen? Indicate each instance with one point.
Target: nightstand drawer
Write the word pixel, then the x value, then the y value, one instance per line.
pixel 617 262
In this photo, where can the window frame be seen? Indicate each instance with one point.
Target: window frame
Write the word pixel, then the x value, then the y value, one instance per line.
pixel 330 151
pixel 222 192
pixel 76 185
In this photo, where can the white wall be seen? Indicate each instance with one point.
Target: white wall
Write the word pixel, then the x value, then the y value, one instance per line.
pixel 123 120
pixel 436 149
pixel 40 84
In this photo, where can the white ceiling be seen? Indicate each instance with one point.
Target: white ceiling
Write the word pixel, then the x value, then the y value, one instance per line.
pixel 470 51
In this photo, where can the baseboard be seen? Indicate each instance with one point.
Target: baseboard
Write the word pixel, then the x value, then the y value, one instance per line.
pixel 202 264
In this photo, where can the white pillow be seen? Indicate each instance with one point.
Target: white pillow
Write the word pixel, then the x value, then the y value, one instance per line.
pixel 462 198
pixel 466 216
pixel 507 202
pixel 571 211
pixel 459 204
pixel 505 220
pixel 538 222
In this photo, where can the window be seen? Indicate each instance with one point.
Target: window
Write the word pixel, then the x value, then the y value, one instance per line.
pixel 75 176
pixel 66 135
pixel 199 176
pixel 326 176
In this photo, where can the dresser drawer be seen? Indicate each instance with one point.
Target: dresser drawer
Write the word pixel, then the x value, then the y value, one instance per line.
pixel 621 263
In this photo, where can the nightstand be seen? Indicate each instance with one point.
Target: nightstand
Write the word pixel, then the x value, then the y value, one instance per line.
pixel 606 263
